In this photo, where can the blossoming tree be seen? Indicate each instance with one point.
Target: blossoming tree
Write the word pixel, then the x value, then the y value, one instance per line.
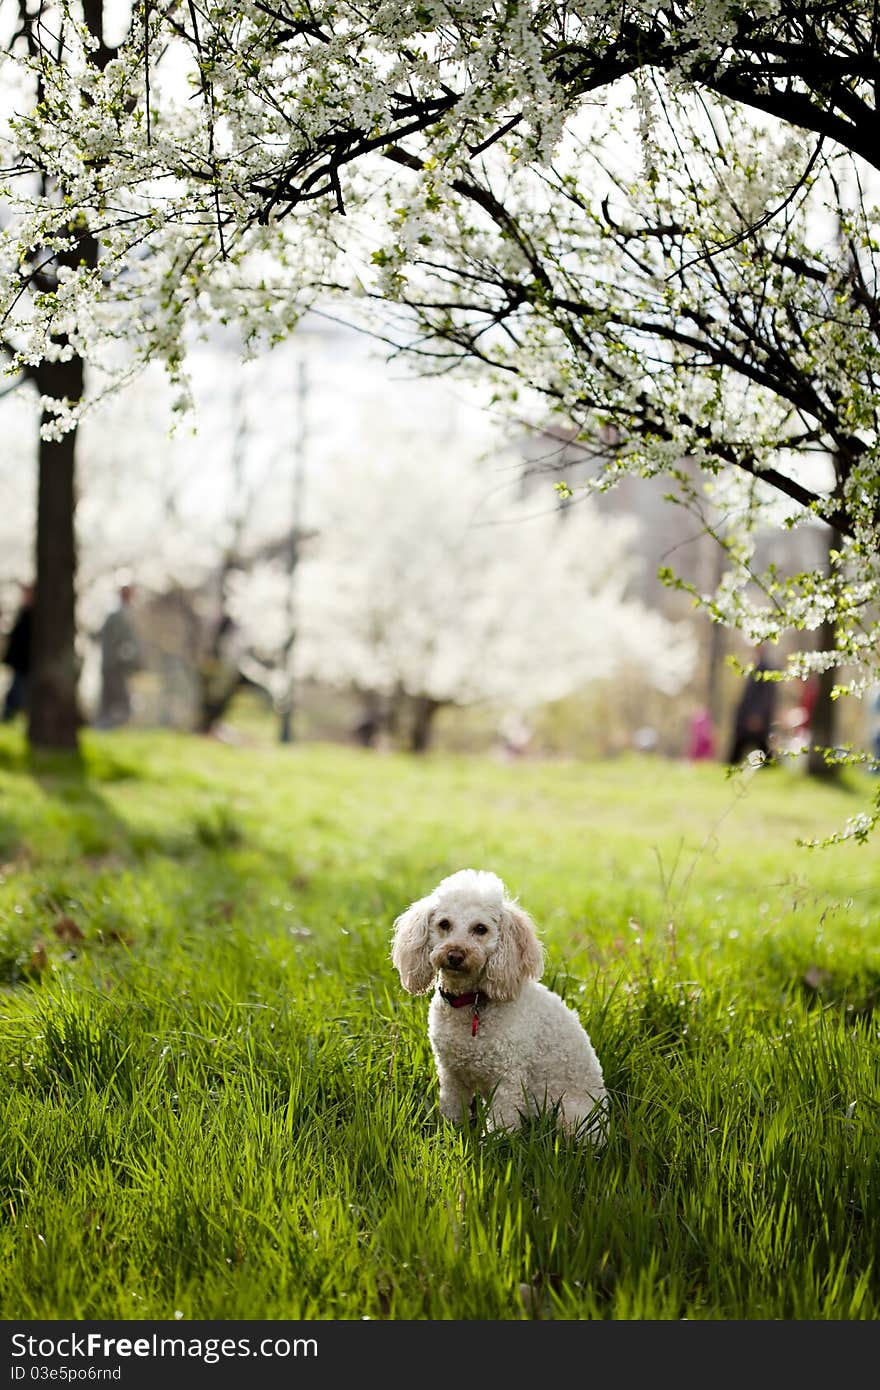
pixel 729 320
pixel 211 157
pixel 444 585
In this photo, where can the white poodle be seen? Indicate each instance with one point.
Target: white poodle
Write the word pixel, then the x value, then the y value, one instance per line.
pixel 494 1031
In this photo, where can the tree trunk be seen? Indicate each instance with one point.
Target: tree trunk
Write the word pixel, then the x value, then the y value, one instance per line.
pixel 53 716
pixel 213 703
pixel 219 677
pixel 285 722
pixel 424 709
pixel 53 713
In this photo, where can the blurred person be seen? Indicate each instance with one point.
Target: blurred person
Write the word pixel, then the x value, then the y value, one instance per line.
pixel 646 739
pixel 701 736
pixel 120 658
pixel 514 736
pixel 872 710
pixel 753 720
pixel 17 656
pixel 798 722
pixel 800 719
pixel 808 703
pixel 368 725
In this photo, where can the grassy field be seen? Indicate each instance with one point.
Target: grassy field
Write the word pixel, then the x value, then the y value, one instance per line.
pixel 218 1103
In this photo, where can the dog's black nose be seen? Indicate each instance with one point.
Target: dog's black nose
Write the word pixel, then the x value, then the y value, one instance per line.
pixel 455 960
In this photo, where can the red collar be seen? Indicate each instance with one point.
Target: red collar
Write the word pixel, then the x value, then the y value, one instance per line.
pixel 460 1001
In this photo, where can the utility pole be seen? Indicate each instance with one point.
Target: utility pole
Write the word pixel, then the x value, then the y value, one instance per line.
pixel 287 702
pixel 823 721
pixel 715 641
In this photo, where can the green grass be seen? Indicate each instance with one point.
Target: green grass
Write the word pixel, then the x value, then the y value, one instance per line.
pixel 219 1102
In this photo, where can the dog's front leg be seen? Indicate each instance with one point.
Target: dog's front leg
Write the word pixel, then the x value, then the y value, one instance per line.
pixel 506 1107
pixel 455 1098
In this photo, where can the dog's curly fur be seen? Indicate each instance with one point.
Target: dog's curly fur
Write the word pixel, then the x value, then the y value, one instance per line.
pixel 529 1051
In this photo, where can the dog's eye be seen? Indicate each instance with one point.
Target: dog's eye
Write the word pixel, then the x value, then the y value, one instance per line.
pixel 443 925
pixel 479 929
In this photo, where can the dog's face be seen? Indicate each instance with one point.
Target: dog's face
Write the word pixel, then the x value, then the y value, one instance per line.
pixel 462 938
pixel 470 934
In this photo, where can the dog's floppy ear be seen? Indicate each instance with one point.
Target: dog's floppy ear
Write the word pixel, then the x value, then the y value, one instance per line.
pixel 409 949
pixel 519 956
